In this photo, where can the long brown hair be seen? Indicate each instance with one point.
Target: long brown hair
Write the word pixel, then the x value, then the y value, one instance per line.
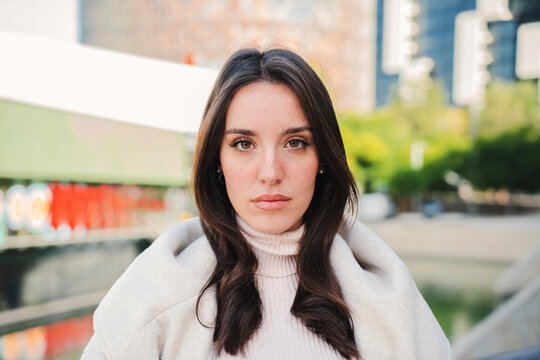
pixel 319 302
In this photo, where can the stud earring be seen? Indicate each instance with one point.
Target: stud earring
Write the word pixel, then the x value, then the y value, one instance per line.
pixel 321 170
pixel 221 178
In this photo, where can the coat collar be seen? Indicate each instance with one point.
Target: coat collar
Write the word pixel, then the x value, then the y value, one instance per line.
pixel 391 319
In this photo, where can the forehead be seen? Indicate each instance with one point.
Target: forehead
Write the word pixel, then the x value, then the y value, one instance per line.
pixel 265 106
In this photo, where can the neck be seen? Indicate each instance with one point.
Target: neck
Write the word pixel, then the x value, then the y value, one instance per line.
pixel 276 253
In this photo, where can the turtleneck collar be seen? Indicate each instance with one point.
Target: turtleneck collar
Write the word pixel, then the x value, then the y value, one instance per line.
pixel 276 253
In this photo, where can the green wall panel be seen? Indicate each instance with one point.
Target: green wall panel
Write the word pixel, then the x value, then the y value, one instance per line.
pixel 44 144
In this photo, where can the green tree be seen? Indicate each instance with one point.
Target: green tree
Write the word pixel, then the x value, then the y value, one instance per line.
pixel 508 106
pixel 424 116
pixel 378 144
pixel 510 160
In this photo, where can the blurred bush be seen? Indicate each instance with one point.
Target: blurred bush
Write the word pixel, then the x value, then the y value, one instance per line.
pixel 498 148
pixel 509 106
pixel 406 182
pixel 510 160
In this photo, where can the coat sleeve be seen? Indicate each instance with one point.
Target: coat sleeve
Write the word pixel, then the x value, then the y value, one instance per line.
pixel 144 345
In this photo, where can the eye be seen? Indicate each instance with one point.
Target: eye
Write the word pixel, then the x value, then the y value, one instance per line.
pixel 242 144
pixel 297 144
pixel 245 145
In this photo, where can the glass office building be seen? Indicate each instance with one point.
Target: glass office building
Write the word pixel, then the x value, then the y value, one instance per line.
pixel 503 50
pixel 434 38
pixel 385 83
pixel 436 28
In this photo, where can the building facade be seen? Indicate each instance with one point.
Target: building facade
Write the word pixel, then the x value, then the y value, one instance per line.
pixel 336 37
pixel 464 43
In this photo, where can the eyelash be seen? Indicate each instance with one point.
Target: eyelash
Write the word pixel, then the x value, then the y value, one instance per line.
pixel 303 144
pixel 239 141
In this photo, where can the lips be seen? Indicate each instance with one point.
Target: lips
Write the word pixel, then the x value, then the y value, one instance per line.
pixel 271 201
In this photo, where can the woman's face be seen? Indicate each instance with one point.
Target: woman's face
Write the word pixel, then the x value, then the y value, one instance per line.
pixel 268 158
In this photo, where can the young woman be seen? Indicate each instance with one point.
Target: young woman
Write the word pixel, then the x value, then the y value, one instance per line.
pixel 273 268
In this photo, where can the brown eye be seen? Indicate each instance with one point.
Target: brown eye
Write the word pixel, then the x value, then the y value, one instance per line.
pixel 242 144
pixel 296 144
pixel 245 145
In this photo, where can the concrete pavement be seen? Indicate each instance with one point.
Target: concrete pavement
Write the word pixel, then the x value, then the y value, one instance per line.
pixel 459 250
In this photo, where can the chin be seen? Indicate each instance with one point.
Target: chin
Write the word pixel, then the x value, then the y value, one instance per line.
pixel 271 224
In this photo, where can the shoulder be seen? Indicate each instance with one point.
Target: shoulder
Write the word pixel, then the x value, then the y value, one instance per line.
pixel 388 311
pixel 368 270
pixel 369 250
pixel 171 271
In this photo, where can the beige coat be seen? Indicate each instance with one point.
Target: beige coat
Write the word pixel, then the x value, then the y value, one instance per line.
pixel 149 313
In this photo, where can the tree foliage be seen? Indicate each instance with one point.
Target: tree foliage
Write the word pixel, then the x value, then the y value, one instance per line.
pixel 509 106
pixel 505 153
pixel 510 160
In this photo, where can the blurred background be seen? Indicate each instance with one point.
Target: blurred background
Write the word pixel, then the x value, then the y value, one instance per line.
pixel 438 103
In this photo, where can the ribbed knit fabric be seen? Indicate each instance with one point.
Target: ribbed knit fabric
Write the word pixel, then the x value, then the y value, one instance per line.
pixel 281 335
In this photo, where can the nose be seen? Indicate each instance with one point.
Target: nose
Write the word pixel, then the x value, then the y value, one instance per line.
pixel 270 170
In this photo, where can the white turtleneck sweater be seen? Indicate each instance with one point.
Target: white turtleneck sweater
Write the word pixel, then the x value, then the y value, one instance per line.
pixel 281 335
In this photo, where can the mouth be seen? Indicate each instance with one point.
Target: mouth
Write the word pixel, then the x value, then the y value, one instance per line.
pixel 271 201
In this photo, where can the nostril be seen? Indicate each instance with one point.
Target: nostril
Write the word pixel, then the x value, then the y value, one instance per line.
pixel 271 177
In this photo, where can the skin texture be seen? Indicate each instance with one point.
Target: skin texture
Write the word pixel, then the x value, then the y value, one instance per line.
pixel 267 149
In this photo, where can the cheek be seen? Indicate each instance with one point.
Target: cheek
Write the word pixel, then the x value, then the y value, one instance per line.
pixel 237 177
pixel 229 164
pixel 235 169
pixel 304 175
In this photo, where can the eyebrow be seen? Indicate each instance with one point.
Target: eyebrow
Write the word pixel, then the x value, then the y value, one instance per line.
pixel 251 133
pixel 297 130
pixel 240 131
